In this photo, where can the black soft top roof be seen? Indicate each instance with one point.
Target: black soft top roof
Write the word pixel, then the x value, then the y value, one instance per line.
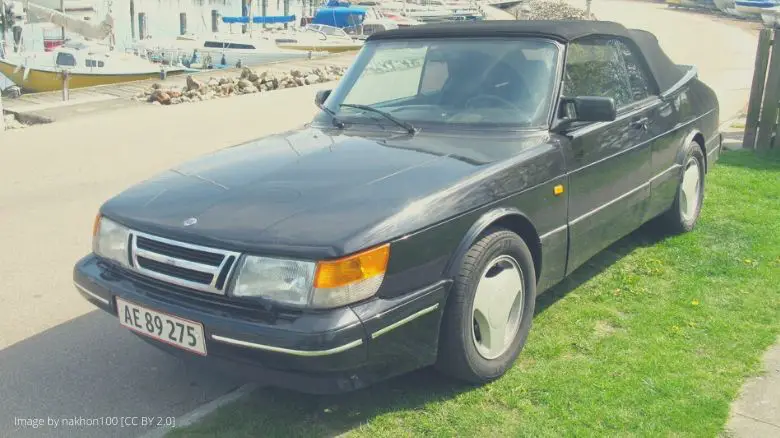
pixel 563 31
pixel 666 72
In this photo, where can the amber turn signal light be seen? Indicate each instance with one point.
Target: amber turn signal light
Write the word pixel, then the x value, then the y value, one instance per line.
pixel 352 269
pixel 96 225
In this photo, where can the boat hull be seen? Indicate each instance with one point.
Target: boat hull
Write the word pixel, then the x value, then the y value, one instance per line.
pixel 228 58
pixel 755 7
pixel 42 80
pixel 320 48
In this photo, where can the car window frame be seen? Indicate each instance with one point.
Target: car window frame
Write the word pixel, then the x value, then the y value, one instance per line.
pixel 654 92
pixel 622 112
pixel 598 39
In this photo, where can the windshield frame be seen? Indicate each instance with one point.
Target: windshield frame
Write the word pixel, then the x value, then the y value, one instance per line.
pixel 366 54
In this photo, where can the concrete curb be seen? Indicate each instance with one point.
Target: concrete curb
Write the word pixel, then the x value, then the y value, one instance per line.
pixel 200 412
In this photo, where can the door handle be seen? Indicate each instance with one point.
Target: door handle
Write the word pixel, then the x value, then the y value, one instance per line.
pixel 640 123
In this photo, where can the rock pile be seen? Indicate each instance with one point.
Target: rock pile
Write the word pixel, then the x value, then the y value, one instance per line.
pixel 248 82
pixel 12 123
pixel 550 10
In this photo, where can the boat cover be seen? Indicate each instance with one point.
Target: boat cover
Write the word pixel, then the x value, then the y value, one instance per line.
pixel 340 16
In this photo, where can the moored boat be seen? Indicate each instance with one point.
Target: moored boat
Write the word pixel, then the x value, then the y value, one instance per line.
pixel 319 37
pixel 756 7
pixel 221 49
pixel 86 66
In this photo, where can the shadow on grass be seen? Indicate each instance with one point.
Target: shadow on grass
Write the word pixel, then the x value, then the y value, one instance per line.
pixel 749 159
pixel 647 235
pixel 279 412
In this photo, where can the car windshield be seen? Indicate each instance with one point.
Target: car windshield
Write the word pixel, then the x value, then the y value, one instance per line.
pixel 482 82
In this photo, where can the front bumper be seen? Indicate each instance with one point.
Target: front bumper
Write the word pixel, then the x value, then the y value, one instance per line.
pixel 318 351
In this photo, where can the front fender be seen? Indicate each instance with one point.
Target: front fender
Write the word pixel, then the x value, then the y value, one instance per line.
pixel 475 231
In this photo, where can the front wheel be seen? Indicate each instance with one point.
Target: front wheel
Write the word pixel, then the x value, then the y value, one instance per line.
pixel 490 309
pixel 685 210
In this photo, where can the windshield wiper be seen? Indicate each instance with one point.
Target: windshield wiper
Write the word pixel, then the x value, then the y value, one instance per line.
pixel 406 125
pixel 336 122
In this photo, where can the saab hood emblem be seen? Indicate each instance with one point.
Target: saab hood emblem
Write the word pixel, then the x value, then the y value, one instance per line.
pixel 190 221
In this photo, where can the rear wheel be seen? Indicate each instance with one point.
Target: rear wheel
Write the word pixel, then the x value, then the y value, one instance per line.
pixel 685 210
pixel 490 309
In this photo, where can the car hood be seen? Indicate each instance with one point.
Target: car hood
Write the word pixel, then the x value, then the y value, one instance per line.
pixel 314 193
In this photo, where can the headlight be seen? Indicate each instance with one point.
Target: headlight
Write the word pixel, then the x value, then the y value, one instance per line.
pixel 326 284
pixel 110 240
pixel 283 281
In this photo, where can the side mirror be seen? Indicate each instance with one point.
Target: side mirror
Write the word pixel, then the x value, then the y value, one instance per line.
pixel 321 97
pixel 585 109
pixel 594 109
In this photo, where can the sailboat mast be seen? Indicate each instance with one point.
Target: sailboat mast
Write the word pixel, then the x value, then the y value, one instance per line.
pixel 132 19
pixel 251 15
pixel 62 9
pixel 5 25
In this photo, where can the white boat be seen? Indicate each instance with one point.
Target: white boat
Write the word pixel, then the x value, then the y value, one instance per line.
pixel 84 63
pixel 376 9
pixel 768 10
pixel 222 49
pixel 457 7
pixel 87 65
pixel 755 7
pixel 374 21
pixel 418 12
pixel 318 37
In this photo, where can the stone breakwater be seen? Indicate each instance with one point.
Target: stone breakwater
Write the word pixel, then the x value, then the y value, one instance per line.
pixel 251 81
pixel 248 82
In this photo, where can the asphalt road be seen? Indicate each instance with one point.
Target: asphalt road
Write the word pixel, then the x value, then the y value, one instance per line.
pixel 60 358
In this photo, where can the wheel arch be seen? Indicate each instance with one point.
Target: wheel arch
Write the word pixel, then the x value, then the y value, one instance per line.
pixel 508 218
pixel 695 136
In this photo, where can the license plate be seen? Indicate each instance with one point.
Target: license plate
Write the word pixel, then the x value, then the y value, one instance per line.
pixel 166 328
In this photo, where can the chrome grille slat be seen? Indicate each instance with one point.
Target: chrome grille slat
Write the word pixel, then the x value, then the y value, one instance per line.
pixel 179 262
pixel 174 262
pixel 169 250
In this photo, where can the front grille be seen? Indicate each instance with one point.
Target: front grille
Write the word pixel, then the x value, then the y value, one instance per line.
pixel 193 266
pixel 193 255
pixel 175 271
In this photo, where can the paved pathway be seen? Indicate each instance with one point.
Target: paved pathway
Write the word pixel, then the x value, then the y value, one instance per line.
pixel 756 414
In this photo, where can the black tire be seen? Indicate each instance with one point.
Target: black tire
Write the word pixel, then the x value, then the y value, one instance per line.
pixel 672 221
pixel 457 354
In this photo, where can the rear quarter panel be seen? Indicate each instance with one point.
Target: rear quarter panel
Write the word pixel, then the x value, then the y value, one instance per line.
pixel 688 113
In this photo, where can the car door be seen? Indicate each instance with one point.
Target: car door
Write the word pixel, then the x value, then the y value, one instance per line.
pixel 608 163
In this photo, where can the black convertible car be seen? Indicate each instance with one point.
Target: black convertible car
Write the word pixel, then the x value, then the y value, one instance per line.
pixel 456 172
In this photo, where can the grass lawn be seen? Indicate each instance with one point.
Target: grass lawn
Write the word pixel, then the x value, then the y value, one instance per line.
pixel 654 337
